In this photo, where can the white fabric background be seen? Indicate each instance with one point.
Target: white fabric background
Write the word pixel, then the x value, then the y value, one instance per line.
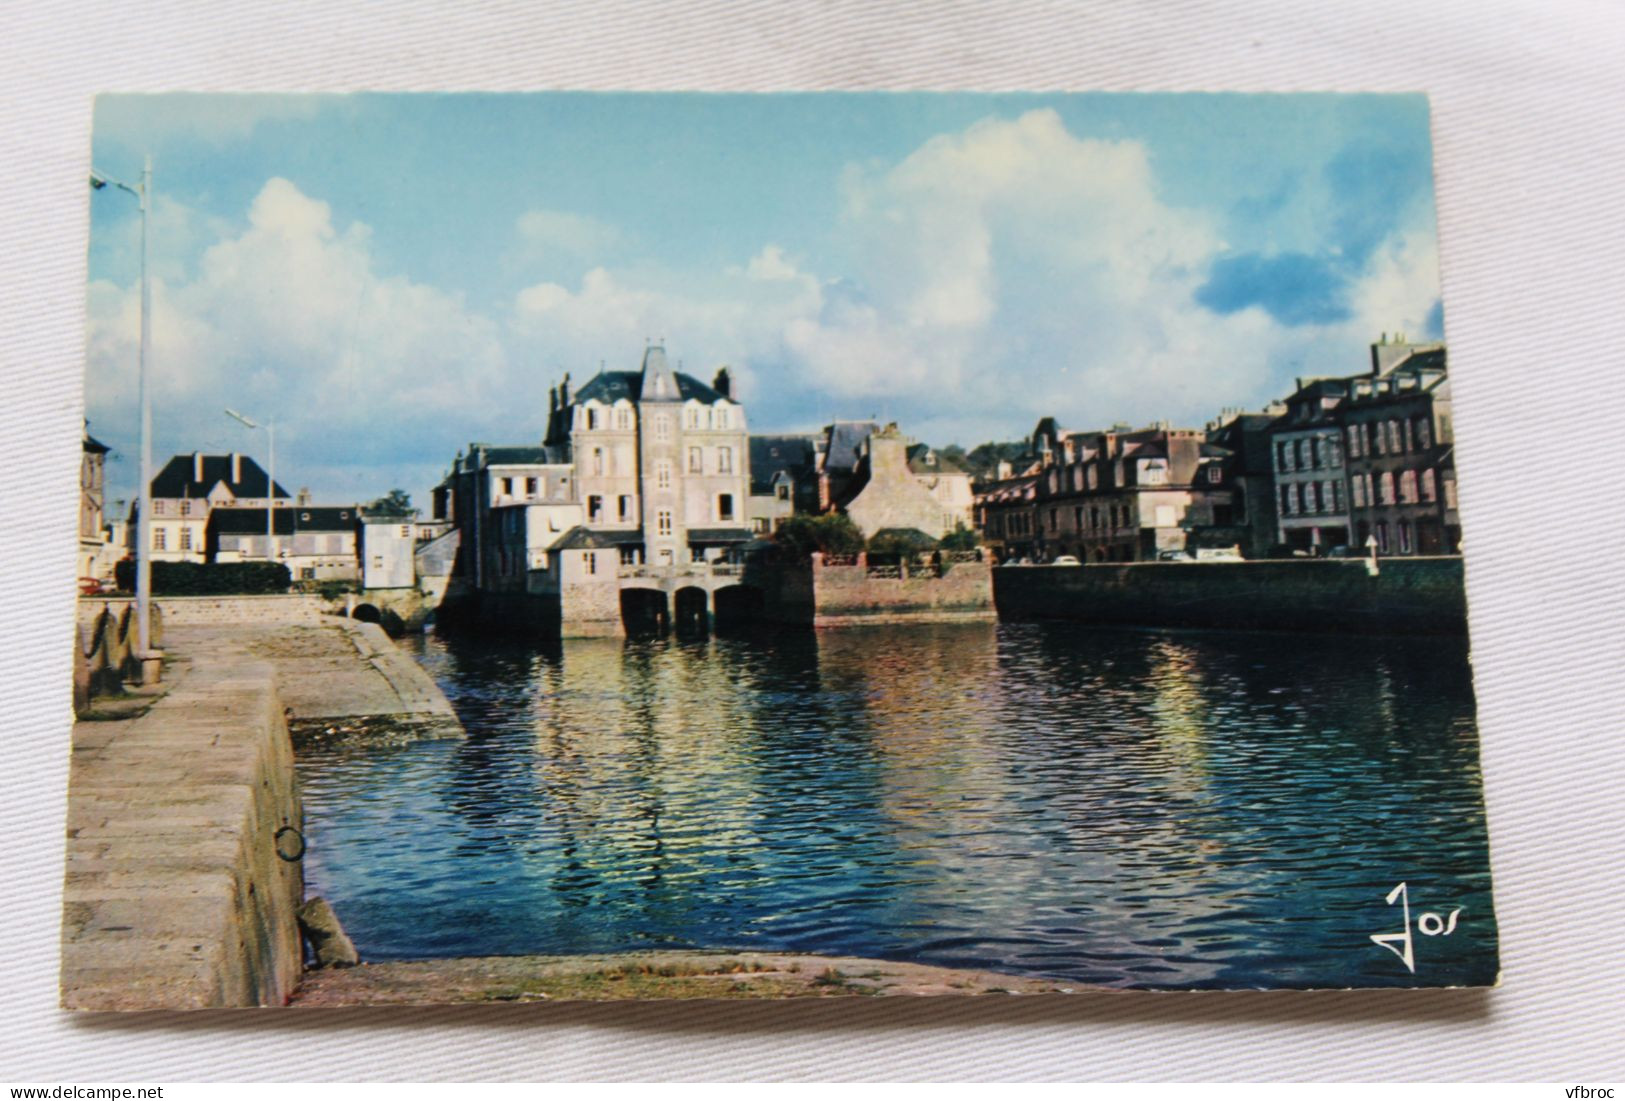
pixel 1529 145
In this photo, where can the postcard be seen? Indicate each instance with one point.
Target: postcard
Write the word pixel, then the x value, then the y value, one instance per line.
pixel 618 546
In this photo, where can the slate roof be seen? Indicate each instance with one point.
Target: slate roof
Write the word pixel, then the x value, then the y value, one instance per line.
pixel 943 464
pixel 845 439
pixel 719 535
pixel 580 538
pixel 289 521
pixel 611 386
pixel 176 478
pixel 770 454
pixel 519 456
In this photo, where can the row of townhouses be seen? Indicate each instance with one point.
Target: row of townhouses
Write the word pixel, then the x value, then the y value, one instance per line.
pixel 1341 465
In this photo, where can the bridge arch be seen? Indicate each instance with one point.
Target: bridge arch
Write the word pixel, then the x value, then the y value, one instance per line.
pixel 737 605
pixel 691 610
pixel 645 611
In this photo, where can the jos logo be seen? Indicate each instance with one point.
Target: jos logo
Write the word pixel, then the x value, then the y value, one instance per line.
pixel 1402 944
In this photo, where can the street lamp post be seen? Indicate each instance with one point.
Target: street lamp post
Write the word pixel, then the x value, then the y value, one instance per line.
pixel 270 481
pixel 143 534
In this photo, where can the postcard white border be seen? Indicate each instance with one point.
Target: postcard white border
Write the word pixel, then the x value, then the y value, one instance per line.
pixel 1528 155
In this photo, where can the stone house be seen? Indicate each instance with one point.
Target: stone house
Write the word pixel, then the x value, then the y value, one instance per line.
pixel 190 487
pixel 487 479
pixel 899 486
pixel 661 460
pixel 1251 474
pixel 1311 479
pixel 1401 466
pixel 316 543
pixel 784 479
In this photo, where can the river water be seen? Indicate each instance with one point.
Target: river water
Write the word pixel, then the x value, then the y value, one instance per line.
pixel 1120 808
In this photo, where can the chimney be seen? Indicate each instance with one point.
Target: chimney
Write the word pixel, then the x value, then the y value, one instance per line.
pixel 724 383
pixel 564 390
pixel 197 466
pixel 303 499
pixel 236 468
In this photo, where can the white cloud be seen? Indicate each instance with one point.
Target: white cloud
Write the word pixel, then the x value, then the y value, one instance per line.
pixel 288 319
pixel 545 233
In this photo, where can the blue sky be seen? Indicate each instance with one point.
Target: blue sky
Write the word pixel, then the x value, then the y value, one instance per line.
pixel 391 277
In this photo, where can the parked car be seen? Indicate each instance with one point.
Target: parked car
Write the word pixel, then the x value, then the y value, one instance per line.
pixel 1218 554
pixel 1174 556
pixel 1066 560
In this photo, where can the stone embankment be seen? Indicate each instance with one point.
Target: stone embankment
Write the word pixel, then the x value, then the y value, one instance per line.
pixel 180 893
pixel 646 975
pixel 1399 596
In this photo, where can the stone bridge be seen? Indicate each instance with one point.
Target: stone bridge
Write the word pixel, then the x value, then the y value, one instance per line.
pixel 690 595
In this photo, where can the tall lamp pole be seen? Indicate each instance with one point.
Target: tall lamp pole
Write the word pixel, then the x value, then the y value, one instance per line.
pixel 143 534
pixel 270 481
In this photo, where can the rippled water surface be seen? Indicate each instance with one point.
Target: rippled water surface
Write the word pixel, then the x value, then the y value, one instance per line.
pixel 1109 807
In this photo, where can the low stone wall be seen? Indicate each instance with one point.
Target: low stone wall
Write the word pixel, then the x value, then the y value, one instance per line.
pixel 823 595
pixel 175 897
pixel 226 611
pixel 1404 596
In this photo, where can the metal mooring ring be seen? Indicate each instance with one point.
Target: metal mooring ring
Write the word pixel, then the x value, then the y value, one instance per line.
pixel 276 840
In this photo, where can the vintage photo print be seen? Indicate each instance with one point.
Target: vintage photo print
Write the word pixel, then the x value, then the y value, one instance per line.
pixel 615 546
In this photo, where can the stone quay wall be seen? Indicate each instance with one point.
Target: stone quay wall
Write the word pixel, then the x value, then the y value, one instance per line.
pixel 175 896
pixel 850 593
pixel 1403 596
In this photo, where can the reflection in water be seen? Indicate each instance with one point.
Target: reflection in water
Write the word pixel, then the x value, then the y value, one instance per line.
pixel 1113 807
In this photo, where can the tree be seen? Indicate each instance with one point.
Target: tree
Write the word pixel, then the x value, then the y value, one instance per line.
pixel 396 503
pixel 960 539
pixel 831 533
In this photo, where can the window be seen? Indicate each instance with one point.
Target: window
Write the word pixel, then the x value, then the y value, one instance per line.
pixel 1424 435
pixel 1305 502
pixel 1314 451
pixel 186 508
pixel 186 538
pixel 1356 437
pixel 691 417
pixel 158 507
pixel 1407 487
pixel 663 427
pixel 595 508
pixel 1450 493
pixel 1283 456
pixel 1337 495
pixel 722 416
pixel 592 417
pixel 1286 500
pixel 1302 453
pixel 625 511
pixel 1094 476
pixel 623 418
pixel 532 487
pixel 1385 488
pixel 1377 440
pixel 1404 537
pixel 696 460
pixel 1410 440
pixel 663 473
pixel 597 460
pixel 158 537
pixel 1430 488
pixel 782 491
pixel 725 506
pixel 1077 518
pixel 663 521
pixel 1215 474
pixel 1382 537
pixel 592 561
pixel 1334 451
pixel 1156 472
pixel 507 487
pixel 1055 519
pixel 725 460
pixel 307 573
pixel 629 556
pixel 1396 440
